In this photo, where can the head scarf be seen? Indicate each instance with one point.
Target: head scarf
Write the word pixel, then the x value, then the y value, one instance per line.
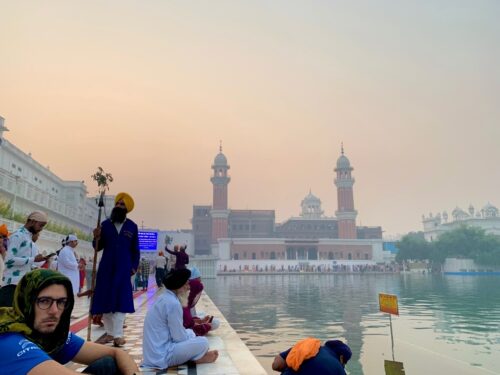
pixel 38 216
pixel 176 278
pixel 195 289
pixel 340 349
pixel 127 199
pixel 21 316
pixel 4 231
pixel 195 273
pixel 71 237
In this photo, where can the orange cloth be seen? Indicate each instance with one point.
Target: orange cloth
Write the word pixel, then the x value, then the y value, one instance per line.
pixel 4 231
pixel 302 350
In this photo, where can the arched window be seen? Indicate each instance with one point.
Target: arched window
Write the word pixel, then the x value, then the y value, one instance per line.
pixel 273 255
pixel 330 255
pixel 349 256
pixel 236 256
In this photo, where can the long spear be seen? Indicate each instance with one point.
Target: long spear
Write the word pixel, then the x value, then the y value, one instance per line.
pixel 103 180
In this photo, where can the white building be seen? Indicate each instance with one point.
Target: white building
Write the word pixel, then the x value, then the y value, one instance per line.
pixel 27 186
pixel 487 218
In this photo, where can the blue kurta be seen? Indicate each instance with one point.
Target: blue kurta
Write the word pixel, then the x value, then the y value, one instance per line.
pixel 120 257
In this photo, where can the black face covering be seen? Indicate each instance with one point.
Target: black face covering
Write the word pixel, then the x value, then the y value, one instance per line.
pixel 118 215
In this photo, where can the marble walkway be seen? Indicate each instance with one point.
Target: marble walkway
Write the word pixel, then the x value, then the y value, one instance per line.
pixel 234 356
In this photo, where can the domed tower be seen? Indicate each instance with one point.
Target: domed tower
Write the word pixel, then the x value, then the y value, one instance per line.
pixel 346 214
pixel 311 207
pixel 219 213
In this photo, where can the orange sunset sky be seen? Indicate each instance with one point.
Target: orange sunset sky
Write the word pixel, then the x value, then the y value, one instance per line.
pixel 146 89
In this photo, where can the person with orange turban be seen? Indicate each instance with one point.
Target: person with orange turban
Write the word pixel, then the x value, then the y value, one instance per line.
pixel 118 237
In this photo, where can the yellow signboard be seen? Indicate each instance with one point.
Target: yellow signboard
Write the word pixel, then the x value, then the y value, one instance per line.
pixel 394 368
pixel 388 303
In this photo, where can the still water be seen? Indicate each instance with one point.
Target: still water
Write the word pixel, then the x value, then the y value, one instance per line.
pixel 446 324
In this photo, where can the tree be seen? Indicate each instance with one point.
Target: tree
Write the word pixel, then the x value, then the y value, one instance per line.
pixel 468 242
pixel 413 246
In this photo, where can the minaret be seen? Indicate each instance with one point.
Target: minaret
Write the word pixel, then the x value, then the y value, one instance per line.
pixel 346 214
pixel 219 212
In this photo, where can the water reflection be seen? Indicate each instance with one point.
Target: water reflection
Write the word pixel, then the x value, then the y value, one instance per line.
pixel 445 322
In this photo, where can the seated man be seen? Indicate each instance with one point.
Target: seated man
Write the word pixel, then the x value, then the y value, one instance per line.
pixel 165 341
pixel 308 357
pixel 35 337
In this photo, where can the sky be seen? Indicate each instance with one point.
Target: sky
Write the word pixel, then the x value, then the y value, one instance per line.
pixel 148 89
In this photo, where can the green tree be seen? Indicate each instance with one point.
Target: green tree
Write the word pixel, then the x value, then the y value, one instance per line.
pixel 468 242
pixel 413 246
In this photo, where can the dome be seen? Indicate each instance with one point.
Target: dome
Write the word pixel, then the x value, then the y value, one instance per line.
pixel 311 207
pixel 311 198
pixel 220 160
pixel 489 210
pixel 343 162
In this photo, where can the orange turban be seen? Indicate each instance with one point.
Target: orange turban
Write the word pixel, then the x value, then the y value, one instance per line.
pixel 4 231
pixel 302 350
pixel 127 199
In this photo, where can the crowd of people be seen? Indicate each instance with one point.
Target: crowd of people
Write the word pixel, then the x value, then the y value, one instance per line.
pixel 38 292
pixel 336 268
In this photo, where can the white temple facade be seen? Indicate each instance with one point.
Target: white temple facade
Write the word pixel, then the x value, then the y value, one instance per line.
pixel 26 185
pixel 487 218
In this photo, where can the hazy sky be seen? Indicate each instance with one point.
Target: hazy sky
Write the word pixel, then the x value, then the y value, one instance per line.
pixel 146 89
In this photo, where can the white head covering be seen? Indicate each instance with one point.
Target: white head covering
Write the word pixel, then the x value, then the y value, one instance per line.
pixel 72 237
pixel 38 216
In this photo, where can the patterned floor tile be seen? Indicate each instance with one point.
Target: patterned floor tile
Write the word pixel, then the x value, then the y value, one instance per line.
pixel 133 331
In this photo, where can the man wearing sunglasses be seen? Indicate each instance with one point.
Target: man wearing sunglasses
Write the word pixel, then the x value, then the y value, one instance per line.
pixel 35 337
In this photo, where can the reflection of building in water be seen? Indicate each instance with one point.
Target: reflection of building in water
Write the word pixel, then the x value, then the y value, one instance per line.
pixel 272 312
pixel 487 218
pixel 254 235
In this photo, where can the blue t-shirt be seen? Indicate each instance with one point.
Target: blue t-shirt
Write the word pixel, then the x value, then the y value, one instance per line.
pixel 18 355
pixel 325 362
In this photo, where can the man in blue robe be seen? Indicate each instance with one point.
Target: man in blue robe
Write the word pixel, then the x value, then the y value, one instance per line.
pixel 113 297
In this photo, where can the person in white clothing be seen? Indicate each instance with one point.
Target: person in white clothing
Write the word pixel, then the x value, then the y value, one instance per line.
pixel 165 340
pixel 67 263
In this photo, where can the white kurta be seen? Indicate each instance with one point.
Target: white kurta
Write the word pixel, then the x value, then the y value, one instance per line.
pixel 165 340
pixel 68 266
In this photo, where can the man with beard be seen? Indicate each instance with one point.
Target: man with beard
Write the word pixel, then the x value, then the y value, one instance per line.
pixel 165 341
pixel 21 255
pixel 35 337
pixel 113 297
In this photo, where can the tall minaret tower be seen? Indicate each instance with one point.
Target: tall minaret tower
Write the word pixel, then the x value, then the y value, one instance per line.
pixel 346 214
pixel 219 212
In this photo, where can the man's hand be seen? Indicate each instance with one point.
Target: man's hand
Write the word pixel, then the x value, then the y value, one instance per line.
pixel 97 232
pixel 40 258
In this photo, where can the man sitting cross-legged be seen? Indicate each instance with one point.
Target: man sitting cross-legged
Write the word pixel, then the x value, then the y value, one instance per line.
pixel 166 342
pixel 35 337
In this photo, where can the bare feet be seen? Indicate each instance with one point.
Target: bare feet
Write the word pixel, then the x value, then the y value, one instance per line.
pixel 209 357
pixel 104 339
pixel 119 341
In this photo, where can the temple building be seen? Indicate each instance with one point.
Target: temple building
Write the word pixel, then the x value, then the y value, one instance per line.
pixel 312 236
pixel 487 218
pixel 26 185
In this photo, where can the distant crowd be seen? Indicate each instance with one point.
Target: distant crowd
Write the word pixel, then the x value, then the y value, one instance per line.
pixel 337 268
